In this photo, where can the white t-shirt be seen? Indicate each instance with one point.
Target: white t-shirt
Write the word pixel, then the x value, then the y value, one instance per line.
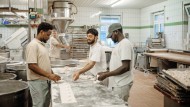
pixel 98 55
pixel 122 51
pixel 54 51
pixel 37 53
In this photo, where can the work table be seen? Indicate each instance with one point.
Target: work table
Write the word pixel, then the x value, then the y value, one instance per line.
pixel 176 57
pixel 87 93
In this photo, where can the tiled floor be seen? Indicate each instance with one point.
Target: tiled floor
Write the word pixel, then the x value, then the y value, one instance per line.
pixel 143 93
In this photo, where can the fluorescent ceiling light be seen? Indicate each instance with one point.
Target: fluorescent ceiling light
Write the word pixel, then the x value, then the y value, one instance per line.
pixel 116 3
pixel 96 14
pixel 112 2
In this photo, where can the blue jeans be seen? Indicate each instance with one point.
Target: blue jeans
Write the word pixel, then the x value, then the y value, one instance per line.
pixel 40 92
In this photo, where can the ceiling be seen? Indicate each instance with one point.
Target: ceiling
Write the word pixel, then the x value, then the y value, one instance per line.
pixel 129 4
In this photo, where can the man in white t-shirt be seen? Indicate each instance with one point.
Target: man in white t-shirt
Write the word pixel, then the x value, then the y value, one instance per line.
pixel 121 63
pixel 39 71
pixel 55 46
pixel 97 57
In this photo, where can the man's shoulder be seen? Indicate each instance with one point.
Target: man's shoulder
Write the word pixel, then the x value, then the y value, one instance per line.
pixel 126 42
pixel 52 38
pixel 32 43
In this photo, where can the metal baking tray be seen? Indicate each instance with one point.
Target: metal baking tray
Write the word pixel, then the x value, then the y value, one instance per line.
pixel 176 81
pixel 172 88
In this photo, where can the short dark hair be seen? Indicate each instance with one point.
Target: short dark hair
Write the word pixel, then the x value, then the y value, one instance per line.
pixel 92 31
pixel 44 26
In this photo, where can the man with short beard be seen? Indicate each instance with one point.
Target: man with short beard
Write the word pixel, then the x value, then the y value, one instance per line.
pixel 97 58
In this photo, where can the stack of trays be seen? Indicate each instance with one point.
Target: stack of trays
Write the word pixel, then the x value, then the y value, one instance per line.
pixel 175 83
pixel 79 47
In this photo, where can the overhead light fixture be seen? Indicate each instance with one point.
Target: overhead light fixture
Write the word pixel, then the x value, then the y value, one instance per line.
pixel 116 3
pixel 96 14
pixel 110 2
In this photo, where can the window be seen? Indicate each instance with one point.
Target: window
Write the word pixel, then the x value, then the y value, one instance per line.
pixel 187 8
pixel 158 23
pixel 105 22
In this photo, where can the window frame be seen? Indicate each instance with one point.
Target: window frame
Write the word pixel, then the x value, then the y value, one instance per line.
pixel 108 42
pixel 159 23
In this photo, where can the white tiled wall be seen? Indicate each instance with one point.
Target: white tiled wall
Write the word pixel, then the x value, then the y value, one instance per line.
pixel 174 12
pixel 173 9
pixel 174 37
pixel 145 33
pixel 129 18
pixel 146 13
pixel 146 20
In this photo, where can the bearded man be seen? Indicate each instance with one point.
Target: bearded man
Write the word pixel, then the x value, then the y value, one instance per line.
pixel 97 57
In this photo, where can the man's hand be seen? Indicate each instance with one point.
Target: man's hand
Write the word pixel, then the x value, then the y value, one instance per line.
pixel 67 47
pixel 76 76
pixel 54 77
pixel 102 76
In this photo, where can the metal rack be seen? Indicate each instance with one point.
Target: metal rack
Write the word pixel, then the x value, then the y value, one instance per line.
pixel 79 46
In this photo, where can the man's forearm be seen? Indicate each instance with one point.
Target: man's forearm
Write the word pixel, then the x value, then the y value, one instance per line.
pixel 118 71
pixel 59 45
pixel 86 68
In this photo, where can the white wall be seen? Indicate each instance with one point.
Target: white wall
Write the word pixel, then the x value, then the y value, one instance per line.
pixel 137 22
pixel 174 33
pixel 6 31
pixel 130 18
pixel 147 22
pixel 175 22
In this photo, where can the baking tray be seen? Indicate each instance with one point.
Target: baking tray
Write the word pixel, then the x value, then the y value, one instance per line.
pixel 179 100
pixel 172 88
pixel 176 81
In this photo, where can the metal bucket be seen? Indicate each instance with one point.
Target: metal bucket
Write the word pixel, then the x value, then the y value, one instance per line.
pixel 19 70
pixel 7 76
pixel 21 74
pixel 13 93
pixel 2 67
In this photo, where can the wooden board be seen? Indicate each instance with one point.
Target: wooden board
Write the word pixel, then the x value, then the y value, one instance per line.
pixel 175 57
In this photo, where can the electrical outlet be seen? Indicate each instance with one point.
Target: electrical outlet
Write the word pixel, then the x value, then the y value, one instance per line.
pixel 1 36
